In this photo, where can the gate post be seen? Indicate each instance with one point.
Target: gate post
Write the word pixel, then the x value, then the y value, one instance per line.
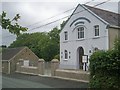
pixel 54 66
pixel 41 66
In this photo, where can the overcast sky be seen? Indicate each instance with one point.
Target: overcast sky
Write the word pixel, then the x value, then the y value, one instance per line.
pixel 33 11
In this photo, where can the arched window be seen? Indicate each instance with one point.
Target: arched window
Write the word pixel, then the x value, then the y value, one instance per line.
pixel 80 31
pixel 66 35
pixel 66 54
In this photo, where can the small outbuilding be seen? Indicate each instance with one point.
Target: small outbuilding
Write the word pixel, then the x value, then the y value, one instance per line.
pixel 11 56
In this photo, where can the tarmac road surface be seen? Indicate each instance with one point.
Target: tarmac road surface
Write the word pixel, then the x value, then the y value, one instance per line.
pixel 31 81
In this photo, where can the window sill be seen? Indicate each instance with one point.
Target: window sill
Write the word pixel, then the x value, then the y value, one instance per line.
pixel 95 37
pixel 81 39
pixel 65 59
pixel 65 41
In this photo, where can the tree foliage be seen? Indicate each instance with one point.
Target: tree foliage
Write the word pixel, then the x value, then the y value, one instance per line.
pixel 105 68
pixel 44 45
pixel 11 25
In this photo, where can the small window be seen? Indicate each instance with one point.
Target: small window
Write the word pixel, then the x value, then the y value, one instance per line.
pixel 66 35
pixel 66 54
pixel 96 28
pixel 26 63
pixel 80 32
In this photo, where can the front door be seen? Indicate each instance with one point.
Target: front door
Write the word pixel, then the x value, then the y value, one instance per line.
pixel 80 54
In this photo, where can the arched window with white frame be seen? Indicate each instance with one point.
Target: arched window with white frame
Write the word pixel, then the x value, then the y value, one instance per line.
pixel 80 32
pixel 66 54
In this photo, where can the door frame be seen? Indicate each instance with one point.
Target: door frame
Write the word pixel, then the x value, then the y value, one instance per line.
pixel 80 53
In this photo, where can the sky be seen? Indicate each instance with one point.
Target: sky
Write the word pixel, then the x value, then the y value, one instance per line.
pixel 38 11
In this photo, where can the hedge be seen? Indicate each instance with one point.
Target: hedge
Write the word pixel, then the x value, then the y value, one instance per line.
pixel 105 68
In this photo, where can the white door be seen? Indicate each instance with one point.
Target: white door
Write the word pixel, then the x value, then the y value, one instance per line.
pixel 26 63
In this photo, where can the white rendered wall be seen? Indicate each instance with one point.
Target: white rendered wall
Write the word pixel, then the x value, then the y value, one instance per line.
pixel 88 43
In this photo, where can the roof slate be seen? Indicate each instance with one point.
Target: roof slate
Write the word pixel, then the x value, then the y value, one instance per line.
pixel 8 53
pixel 110 17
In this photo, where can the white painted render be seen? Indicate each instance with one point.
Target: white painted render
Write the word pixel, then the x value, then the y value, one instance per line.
pixel 88 43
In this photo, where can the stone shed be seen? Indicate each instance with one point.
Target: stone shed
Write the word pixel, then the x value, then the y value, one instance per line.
pixel 11 56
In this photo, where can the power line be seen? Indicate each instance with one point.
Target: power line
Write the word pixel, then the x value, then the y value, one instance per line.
pixel 52 17
pixel 102 3
pixel 68 16
pixel 57 14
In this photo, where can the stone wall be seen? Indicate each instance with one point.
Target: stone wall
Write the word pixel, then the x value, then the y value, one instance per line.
pixel 31 69
pixel 54 66
pixel 113 34
pixel 73 74
pixel 5 67
pixel 70 74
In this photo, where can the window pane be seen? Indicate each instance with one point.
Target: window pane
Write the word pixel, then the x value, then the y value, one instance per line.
pixel 80 32
pixel 66 35
pixel 96 30
pixel 66 54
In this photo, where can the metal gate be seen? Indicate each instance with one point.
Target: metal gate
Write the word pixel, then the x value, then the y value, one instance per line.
pixel 47 68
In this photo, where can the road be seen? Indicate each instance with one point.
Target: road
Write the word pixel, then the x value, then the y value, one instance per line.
pixel 31 81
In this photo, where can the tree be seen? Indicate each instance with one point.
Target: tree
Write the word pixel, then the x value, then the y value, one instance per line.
pixel 63 24
pixel 11 25
pixel 54 34
pixel 40 43
pixel 3 46
pixel 105 68
pixel 44 45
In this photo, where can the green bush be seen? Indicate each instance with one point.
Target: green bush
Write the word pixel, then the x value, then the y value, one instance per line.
pixel 105 68
pixel 57 57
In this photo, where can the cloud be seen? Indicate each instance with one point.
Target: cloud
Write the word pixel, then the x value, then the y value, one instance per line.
pixel 38 10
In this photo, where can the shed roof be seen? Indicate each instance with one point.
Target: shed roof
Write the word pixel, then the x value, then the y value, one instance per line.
pixel 8 53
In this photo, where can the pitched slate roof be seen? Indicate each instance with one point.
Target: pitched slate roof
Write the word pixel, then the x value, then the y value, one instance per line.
pixel 8 53
pixel 110 17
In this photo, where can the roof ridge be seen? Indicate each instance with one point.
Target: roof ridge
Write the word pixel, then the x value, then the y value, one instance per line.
pixel 101 9
pixel 8 53
pixel 110 17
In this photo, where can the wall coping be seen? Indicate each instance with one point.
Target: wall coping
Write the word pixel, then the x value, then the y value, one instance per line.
pixel 41 60
pixel 29 67
pixel 55 61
